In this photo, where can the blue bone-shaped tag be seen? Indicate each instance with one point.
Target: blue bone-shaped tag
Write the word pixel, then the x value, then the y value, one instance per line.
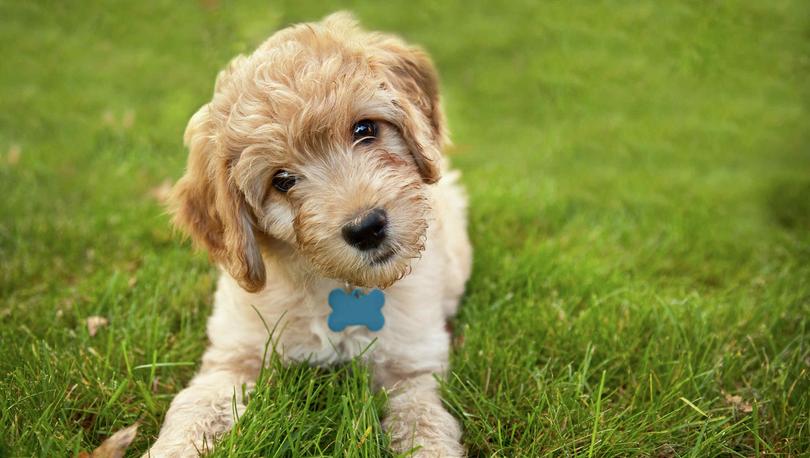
pixel 356 308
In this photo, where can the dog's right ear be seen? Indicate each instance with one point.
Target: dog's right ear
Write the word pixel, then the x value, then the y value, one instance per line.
pixel 206 204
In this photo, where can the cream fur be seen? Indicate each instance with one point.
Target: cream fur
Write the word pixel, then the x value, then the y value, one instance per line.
pixel 291 105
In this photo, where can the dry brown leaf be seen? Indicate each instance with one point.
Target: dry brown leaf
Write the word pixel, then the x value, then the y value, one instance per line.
pixel 458 341
pixel 14 153
pixel 128 119
pixel 108 118
pixel 209 4
pixel 115 445
pixel 94 323
pixel 162 191
pixel 738 402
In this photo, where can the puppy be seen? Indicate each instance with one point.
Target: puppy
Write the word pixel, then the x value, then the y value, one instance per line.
pixel 314 179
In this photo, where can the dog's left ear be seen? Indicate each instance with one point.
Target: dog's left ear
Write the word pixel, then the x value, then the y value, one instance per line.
pixel 413 76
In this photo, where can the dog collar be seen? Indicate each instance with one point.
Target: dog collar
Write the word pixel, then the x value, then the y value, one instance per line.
pixel 355 308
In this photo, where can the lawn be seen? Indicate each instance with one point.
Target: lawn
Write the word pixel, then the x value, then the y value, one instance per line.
pixel 639 177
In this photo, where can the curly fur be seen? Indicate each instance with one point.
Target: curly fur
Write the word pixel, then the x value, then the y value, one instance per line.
pixel 291 105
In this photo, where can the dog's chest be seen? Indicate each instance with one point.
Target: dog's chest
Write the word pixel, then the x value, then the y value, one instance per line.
pixel 300 324
pixel 311 339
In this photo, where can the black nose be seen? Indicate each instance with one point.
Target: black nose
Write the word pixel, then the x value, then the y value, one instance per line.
pixel 367 233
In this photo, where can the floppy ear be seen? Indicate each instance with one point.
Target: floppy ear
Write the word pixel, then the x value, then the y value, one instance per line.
pixel 413 77
pixel 207 205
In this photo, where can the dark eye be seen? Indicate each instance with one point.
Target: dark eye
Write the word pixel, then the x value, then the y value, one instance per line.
pixel 364 131
pixel 284 180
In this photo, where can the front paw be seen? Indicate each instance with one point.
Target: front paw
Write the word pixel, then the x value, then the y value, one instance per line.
pixel 432 433
pixel 441 451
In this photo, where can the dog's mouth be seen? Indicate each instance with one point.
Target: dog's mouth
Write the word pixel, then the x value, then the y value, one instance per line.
pixel 381 258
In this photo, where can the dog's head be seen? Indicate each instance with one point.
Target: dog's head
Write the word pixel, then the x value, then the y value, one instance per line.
pixel 322 142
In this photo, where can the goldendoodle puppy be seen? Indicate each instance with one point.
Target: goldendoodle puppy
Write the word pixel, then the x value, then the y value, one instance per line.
pixel 316 181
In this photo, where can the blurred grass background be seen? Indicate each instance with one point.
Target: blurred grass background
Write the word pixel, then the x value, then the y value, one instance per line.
pixel 639 175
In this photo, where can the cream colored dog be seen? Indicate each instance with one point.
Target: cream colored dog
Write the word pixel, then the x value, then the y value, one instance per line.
pixel 318 164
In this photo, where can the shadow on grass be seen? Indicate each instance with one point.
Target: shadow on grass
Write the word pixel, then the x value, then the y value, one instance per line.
pixel 788 203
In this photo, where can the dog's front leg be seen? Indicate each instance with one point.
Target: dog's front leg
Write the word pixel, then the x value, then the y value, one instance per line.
pixel 416 418
pixel 205 409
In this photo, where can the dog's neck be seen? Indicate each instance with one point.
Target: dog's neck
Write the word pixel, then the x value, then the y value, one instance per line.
pixel 282 260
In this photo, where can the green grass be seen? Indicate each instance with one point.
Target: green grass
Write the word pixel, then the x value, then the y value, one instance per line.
pixel 639 176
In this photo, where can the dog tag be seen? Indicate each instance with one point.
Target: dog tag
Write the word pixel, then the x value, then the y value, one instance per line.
pixel 356 309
